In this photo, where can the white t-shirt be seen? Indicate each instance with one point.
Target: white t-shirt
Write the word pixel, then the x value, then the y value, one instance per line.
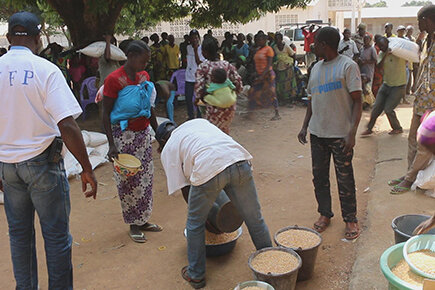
pixel 191 63
pixel 34 98
pixel 351 51
pixel 329 87
pixel 196 152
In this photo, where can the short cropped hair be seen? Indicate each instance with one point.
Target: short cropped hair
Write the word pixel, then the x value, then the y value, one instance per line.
pixel 330 36
pixel 427 12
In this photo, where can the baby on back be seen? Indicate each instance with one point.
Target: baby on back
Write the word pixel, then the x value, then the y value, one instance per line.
pixel 221 91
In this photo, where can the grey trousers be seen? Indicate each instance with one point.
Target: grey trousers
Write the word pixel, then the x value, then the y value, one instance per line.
pixel 387 100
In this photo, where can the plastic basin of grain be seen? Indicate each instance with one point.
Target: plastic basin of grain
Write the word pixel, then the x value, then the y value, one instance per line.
pixel 392 260
pixel 254 285
pixel 220 244
pixel 305 242
pixel 277 266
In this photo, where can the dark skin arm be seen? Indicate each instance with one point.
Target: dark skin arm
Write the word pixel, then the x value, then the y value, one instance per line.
pixel 356 117
pixel 107 49
pixel 381 63
pixel 108 104
pixel 269 64
pixel 302 136
pixel 73 139
pixel 107 109
pixel 195 50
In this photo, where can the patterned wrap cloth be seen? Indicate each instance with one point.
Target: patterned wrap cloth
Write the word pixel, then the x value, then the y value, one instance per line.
pixel 135 192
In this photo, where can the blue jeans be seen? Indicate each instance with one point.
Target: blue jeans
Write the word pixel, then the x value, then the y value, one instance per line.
pixel 189 94
pixel 37 184
pixel 238 183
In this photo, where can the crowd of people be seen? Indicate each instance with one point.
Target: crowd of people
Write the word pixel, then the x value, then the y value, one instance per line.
pixel 199 156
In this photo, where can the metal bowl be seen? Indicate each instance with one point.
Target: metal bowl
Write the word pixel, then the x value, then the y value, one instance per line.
pixel 220 249
pixel 262 285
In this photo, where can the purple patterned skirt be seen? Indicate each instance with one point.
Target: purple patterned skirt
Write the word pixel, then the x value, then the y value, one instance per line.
pixel 135 192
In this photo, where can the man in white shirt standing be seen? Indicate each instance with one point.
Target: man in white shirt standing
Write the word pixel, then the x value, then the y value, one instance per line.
pixel 201 160
pixel 194 59
pixel 347 46
pixel 37 108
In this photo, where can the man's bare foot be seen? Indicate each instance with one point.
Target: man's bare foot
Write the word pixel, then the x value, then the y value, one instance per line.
pixel 321 224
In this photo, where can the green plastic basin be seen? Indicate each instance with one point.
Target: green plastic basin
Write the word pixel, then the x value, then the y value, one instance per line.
pixel 389 259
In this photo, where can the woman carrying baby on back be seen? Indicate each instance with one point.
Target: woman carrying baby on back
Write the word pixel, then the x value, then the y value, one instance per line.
pixel 217 85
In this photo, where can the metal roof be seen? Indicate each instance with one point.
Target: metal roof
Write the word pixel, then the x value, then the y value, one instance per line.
pixel 385 12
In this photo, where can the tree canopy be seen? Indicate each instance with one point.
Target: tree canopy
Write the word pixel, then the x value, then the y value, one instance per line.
pixel 377 4
pixel 416 3
pixel 88 21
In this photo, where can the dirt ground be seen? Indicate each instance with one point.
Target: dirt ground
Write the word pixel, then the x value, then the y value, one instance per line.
pixel 104 257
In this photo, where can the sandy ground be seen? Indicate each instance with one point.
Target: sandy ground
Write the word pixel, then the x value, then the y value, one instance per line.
pixel 391 162
pixel 104 257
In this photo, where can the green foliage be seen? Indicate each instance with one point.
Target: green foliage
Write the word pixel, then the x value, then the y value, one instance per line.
pixel 416 3
pixel 137 15
pixel 381 3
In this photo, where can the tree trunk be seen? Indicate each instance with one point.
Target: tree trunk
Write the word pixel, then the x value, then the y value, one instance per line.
pixel 84 24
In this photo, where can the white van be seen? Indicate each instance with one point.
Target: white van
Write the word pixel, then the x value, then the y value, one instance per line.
pixel 294 32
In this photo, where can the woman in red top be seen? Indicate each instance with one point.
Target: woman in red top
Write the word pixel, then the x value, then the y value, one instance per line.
pixel 263 90
pixel 135 192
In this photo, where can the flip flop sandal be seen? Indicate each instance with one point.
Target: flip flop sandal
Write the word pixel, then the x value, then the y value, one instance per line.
pixel 149 227
pixel 351 235
pixel 399 189
pixel 395 182
pixel 320 226
pixel 138 237
pixel 195 283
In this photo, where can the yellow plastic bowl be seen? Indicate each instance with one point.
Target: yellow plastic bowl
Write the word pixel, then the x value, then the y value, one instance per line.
pixel 127 164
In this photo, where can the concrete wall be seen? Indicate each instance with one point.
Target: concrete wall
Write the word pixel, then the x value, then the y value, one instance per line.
pixel 376 25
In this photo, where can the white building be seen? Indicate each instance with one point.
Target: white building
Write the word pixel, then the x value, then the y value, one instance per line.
pixel 375 18
pixel 326 10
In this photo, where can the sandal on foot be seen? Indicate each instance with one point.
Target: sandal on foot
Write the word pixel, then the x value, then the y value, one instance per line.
pixel 351 235
pixel 149 227
pixel 195 283
pixel 395 132
pixel 399 189
pixel 137 237
pixel 320 226
pixel 395 182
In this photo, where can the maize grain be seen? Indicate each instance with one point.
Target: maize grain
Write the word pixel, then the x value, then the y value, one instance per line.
pixel 298 238
pixel 274 262
pixel 217 239
pixel 424 260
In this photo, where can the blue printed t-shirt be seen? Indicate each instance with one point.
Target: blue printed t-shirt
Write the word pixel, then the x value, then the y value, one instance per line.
pixel 329 87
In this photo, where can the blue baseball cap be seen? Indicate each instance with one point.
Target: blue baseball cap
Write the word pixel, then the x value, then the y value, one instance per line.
pixel 29 21
pixel 163 131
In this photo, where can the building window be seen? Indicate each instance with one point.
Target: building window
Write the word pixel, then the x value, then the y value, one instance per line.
pixel 285 19
pixel 340 3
